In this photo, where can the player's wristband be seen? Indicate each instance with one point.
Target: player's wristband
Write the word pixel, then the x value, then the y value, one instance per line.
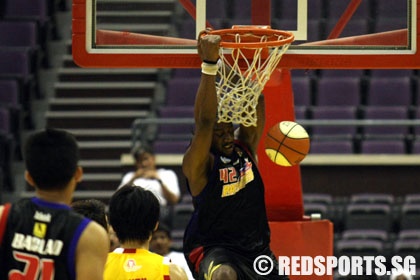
pixel 210 62
pixel 209 69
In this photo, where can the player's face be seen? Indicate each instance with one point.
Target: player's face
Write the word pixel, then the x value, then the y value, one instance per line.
pixel 223 138
pixel 160 243
pixel 146 161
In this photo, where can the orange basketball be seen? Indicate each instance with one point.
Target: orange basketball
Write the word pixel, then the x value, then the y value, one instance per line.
pixel 287 143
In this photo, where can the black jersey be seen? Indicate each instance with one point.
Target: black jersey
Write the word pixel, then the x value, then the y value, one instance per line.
pixel 230 211
pixel 40 240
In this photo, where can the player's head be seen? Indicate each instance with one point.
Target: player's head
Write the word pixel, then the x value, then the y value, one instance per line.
pixel 93 209
pixel 161 240
pixel 223 138
pixel 133 213
pixel 145 157
pixel 51 157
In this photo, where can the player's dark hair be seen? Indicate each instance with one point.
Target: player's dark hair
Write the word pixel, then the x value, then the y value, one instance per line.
pixel 51 157
pixel 163 227
pixel 133 213
pixel 144 149
pixel 93 209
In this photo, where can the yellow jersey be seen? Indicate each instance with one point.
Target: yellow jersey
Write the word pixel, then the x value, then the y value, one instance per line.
pixel 136 264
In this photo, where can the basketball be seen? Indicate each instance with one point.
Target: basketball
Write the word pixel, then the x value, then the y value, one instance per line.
pixel 287 143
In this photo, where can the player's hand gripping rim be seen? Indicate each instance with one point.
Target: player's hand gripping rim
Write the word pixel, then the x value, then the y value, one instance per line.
pixel 208 47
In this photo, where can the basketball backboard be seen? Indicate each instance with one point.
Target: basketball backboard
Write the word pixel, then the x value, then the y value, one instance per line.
pixel 342 34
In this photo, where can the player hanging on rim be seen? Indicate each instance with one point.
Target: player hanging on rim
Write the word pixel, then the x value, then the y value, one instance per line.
pixel 229 227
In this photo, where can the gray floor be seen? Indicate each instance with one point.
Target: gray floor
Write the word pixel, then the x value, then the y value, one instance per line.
pixel 47 79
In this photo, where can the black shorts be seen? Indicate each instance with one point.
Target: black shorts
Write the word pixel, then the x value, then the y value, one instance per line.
pixel 242 264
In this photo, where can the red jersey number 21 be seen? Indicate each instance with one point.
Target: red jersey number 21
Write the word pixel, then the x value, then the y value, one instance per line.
pixel 33 267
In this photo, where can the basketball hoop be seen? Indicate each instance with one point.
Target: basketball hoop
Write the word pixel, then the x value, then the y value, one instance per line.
pixel 249 55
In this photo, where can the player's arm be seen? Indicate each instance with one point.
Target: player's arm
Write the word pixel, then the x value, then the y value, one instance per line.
pixel 251 135
pixel 91 253
pixel 197 159
pixel 177 273
pixel 170 187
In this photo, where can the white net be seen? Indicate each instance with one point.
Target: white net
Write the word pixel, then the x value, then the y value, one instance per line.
pixel 242 75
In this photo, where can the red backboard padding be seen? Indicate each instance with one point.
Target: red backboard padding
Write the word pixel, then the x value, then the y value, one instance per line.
pixel 109 37
pixel 310 238
pixel 283 184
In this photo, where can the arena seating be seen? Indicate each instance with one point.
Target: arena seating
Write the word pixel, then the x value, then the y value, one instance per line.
pixel 22 49
pixel 36 11
pixel 380 232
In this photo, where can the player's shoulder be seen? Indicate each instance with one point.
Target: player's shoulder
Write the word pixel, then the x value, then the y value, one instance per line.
pixel 94 233
pixel 176 272
pixel 244 147
pixel 94 227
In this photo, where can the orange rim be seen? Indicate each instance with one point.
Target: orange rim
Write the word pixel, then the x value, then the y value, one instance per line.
pixel 250 37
